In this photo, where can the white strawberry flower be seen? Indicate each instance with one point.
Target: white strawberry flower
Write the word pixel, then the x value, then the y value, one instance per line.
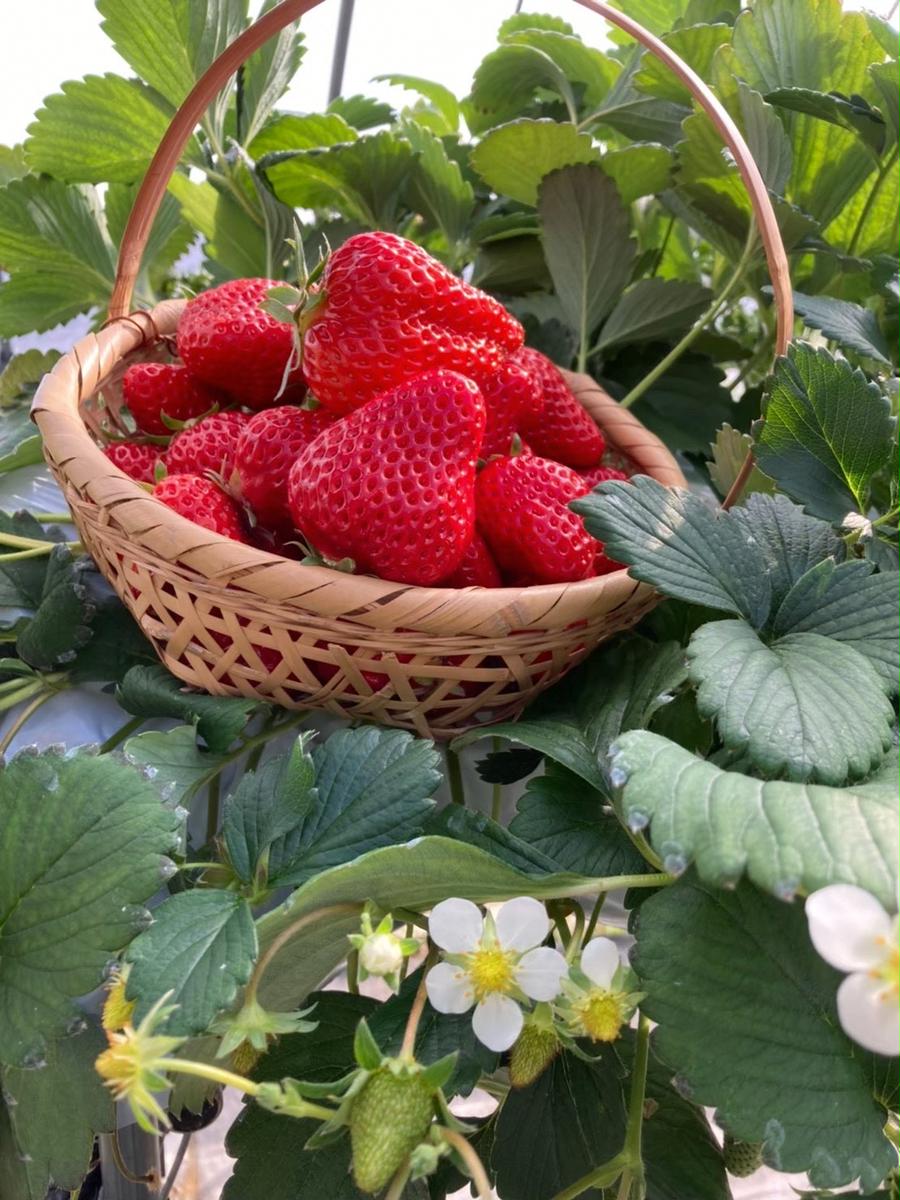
pixel 496 964
pixel 853 933
pixel 599 995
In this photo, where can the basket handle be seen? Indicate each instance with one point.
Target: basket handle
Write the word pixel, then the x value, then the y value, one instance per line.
pixel 165 160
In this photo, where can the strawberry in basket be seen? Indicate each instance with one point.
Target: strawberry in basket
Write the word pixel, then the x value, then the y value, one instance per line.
pixel 385 311
pixel 391 486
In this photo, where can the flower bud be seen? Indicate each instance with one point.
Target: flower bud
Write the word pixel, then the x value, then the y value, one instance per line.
pixel 381 954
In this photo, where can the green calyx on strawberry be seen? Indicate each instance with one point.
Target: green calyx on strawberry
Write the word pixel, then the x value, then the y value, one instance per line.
pixel 535 1048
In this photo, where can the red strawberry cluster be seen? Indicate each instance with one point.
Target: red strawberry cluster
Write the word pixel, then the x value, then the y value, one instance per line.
pixel 422 440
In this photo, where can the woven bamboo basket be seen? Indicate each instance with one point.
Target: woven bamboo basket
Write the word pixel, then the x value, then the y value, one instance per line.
pixel 234 620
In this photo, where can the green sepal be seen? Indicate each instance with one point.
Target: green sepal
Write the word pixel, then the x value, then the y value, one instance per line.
pixel 366 1050
pixel 438 1073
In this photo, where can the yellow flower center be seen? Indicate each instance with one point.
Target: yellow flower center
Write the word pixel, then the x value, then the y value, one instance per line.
pixel 491 970
pixel 118 1065
pixel 600 1014
pixel 888 970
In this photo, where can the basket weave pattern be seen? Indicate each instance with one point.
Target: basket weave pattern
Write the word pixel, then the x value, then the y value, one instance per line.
pixel 231 619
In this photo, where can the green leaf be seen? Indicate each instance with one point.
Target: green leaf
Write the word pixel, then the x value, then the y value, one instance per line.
pixel 437 185
pixel 416 876
pixel 685 406
pixel 784 836
pixel 513 159
pixel 803 706
pixel 585 229
pixel 548 1135
pixel 478 829
pixel 846 601
pixel 373 788
pixel 291 131
pixel 568 822
pixel 791 541
pixel 362 112
pixel 266 76
pixel 12 164
pixel 21 373
pixel 671 539
pixel 508 79
pixel 119 122
pixel 53 243
pixel 653 308
pixel 887 76
pixel 619 687
pixel 267 804
pixel 171 43
pixel 438 1035
pixel 154 692
pixel 66 1096
pixel 200 949
pixel 26 453
pixel 643 169
pixel 440 97
pixel 532 20
pixel 362 179
pixel 827 431
pixel 512 266
pixel 22 582
pixel 593 71
pixel 850 112
pixel 61 622
pixel 741 954
pixel 271 1162
pixel 696 45
pixel 728 453
pixel 233 239
pixel 95 834
pixel 177 765
pixel 850 325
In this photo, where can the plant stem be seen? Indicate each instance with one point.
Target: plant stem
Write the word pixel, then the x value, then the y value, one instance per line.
pixel 24 715
pixel 26 543
pixel 47 518
pixel 883 173
pixel 122 1166
pixel 408 1046
pixel 310 918
pixel 613 883
pixel 398 1184
pixel 38 552
pixel 454 777
pixel 213 803
pixel 123 732
pixel 697 328
pixel 600 1177
pixel 176 1166
pixel 266 735
pixel 353 972
pixel 595 913
pixel 635 1128
pixel 474 1165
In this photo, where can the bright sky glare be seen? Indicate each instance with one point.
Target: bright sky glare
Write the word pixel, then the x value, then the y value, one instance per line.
pixel 45 42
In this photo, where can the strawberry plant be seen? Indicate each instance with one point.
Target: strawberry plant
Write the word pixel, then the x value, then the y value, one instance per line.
pixel 650 926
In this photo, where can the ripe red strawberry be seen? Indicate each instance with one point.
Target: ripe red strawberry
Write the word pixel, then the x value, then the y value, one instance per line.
pixel 477 568
pixel 228 341
pixel 511 395
pixel 562 430
pixel 522 514
pixel 392 485
pixel 151 389
pixel 600 474
pixel 389 311
pixel 207 446
pixel 137 459
pixel 265 453
pixel 203 502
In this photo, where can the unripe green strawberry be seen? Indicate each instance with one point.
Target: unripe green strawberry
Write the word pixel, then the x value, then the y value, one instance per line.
pixel 532 1054
pixel 389 1118
pixel 741 1158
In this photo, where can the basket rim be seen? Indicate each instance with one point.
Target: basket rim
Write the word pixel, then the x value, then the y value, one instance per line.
pixel 74 455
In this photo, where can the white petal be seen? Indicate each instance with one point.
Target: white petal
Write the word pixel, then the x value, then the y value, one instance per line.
pixel 522 923
pixel 539 972
pixel 456 925
pixel 845 923
pixel 600 960
pixel 497 1022
pixel 869 1013
pixel 449 989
